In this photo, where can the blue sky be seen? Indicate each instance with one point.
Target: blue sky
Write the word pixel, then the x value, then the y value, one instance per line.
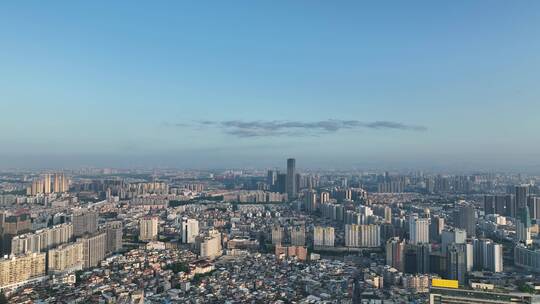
pixel 219 84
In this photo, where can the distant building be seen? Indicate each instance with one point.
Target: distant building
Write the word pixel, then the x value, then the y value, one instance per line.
pixel 467 296
pixel 291 185
pixel 452 236
pixel 94 248
pixel 310 201
pixel 277 234
pixel 395 253
pixel 148 228
pixel 300 252
pixel 84 222
pixel 436 227
pixel 190 230
pixel 466 219
pixel 523 226
pixel 362 235
pixel 209 246
pixel 41 240
pixel 418 230
pixel 323 236
pixel 114 236
pixel 488 255
pixel 18 270
pixel 457 263
pixel 297 235
pixel 533 202
pixel 521 195
pixel 66 258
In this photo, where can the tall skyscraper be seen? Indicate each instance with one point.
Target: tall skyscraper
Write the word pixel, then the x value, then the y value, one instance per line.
pixel 291 185
pixel 522 192
pixel 466 219
pixel 281 186
pixel 418 230
pixel 271 179
pixel 523 226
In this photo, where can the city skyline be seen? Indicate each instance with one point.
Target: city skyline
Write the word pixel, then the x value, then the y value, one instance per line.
pixel 363 85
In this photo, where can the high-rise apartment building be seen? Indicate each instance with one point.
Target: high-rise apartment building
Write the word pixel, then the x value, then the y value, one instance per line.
pixel 19 270
pixel 115 233
pixel 395 253
pixel 325 197
pixel 94 248
pixel 323 236
pixel 66 258
pixel 362 235
pixel 452 236
pixel 12 226
pixel 42 240
pixel 297 235
pixel 436 227
pixel 418 230
pixel 310 201
pixel 210 245
pixel 533 202
pixel 61 183
pixel 148 228
pixel 84 221
pixel 190 230
pixel 277 235
pixel 47 183
pixel 488 255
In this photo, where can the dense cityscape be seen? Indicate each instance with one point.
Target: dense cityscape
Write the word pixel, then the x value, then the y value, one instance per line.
pixel 268 236
pixel 280 152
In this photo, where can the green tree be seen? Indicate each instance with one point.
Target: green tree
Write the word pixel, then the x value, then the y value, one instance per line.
pixel 3 298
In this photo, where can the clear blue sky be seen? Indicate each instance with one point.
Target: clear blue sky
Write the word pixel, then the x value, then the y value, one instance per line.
pixel 249 83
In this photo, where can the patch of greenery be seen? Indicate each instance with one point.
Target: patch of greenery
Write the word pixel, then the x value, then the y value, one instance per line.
pixel 199 276
pixel 526 288
pixel 177 267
